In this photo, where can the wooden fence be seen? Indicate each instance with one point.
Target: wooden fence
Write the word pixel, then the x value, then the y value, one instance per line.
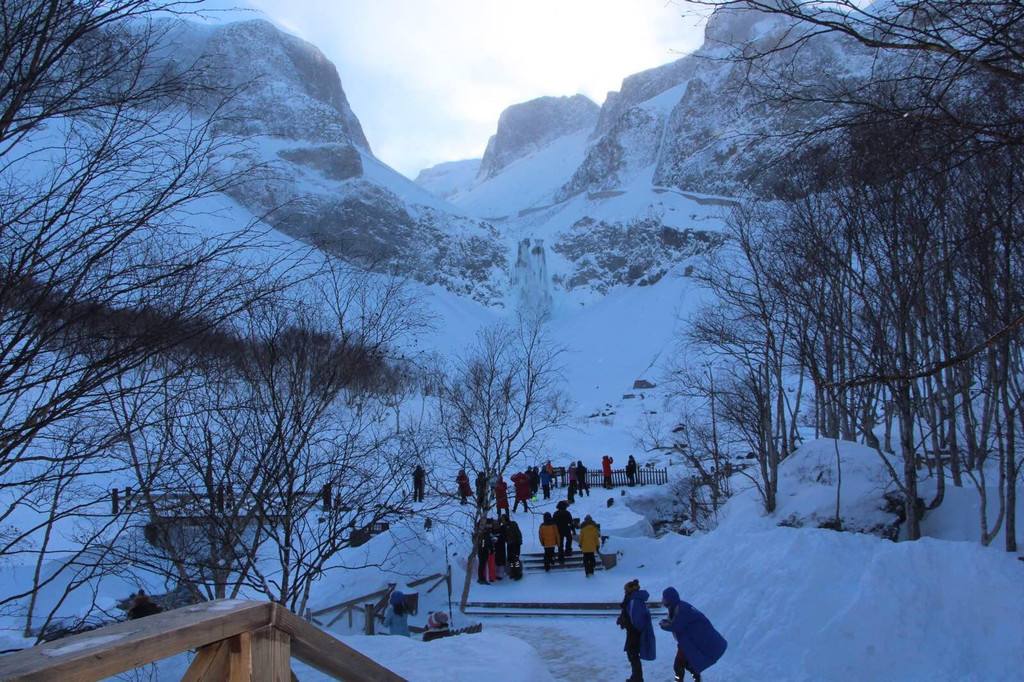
pixel 370 607
pixel 644 476
pixel 241 641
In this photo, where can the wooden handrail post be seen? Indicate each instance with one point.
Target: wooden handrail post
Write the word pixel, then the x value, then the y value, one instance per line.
pixel 369 610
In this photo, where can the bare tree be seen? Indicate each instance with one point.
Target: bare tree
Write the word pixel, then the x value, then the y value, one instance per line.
pixel 496 406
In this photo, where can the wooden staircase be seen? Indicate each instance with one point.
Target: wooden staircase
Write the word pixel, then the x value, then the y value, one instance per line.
pixel 239 641
pixel 534 562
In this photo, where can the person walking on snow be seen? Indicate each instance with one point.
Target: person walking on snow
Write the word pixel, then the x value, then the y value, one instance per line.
pixel 563 519
pixel 501 496
pixel 635 619
pixel 699 644
pixel 481 490
pixel 484 547
pixel 581 479
pixel 545 482
pixel 521 483
pixel 549 539
pixel 464 490
pixel 606 469
pixel 571 473
pixel 396 617
pixel 419 479
pixel 631 470
pixel 590 541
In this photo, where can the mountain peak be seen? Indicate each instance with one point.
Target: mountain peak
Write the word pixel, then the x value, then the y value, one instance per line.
pixel 525 127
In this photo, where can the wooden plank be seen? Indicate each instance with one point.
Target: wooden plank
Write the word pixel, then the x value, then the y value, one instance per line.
pixel 209 664
pixel 271 655
pixel 320 650
pixel 240 658
pixel 575 606
pixel 120 647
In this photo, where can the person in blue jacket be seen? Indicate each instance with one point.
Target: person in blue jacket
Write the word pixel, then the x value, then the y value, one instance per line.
pixel 700 644
pixel 635 619
pixel 545 481
pixel 396 617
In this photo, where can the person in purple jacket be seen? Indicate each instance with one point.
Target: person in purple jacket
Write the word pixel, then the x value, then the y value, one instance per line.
pixel 700 644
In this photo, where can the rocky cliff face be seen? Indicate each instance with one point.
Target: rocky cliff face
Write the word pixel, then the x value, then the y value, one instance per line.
pixel 697 124
pixel 317 179
pixel 526 127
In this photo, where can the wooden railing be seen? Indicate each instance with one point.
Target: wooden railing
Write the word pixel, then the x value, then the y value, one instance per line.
pixel 371 605
pixel 235 640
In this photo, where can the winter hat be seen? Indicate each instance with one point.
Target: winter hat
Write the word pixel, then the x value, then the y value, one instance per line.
pixel 547 517
pixel 670 597
pixel 437 620
pixel 396 598
pixel 587 518
pixel 632 586
pixel 562 505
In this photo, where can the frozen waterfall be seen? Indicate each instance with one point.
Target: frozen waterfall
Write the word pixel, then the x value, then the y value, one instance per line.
pixel 530 279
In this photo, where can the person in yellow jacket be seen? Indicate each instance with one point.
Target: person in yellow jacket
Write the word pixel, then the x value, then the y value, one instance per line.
pixel 590 540
pixel 549 539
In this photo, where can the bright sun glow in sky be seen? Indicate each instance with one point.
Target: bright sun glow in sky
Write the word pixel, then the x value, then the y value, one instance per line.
pixel 428 78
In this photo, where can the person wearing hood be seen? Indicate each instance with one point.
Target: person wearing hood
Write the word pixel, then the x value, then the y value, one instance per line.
pixel 514 539
pixel 501 496
pixel 396 617
pixel 549 539
pixel 484 548
pixel 635 619
pixel 521 482
pixel 481 489
pixel 563 519
pixel 631 468
pixel 590 541
pixel 699 644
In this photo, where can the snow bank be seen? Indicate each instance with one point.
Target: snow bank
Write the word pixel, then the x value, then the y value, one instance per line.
pixel 809 604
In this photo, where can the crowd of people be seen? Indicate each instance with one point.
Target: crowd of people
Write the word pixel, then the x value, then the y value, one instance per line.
pixel 498 544
pixel 698 644
pixel 528 483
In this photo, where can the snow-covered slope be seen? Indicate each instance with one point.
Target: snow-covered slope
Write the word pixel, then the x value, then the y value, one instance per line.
pixel 449 178
pixel 315 177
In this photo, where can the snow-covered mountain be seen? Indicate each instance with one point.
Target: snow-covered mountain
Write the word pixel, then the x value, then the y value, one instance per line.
pixel 317 178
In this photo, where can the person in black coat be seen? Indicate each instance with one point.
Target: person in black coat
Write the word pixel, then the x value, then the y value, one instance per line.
pixel 481 489
pixel 513 538
pixel 419 479
pixel 581 479
pixel 484 547
pixel 631 468
pixel 534 480
pixel 563 519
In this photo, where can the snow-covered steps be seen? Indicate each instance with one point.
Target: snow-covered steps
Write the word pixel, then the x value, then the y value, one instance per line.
pixel 574 561
pixel 559 609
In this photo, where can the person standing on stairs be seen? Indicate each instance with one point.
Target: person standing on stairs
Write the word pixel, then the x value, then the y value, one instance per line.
pixel 635 619
pixel 514 540
pixel 581 479
pixel 590 541
pixel 484 547
pixel 464 490
pixel 521 482
pixel 419 480
pixel 545 482
pixel 549 539
pixel 563 519
pixel 606 469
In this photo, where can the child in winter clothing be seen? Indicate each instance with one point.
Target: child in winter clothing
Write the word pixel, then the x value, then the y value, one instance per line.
pixel 549 539
pixel 396 618
pixel 699 644
pixel 437 626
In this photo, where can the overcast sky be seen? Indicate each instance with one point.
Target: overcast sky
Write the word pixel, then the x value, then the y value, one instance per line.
pixel 428 78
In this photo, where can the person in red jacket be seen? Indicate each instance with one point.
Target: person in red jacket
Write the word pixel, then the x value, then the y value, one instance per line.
pixel 465 491
pixel 522 484
pixel 501 496
pixel 606 469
